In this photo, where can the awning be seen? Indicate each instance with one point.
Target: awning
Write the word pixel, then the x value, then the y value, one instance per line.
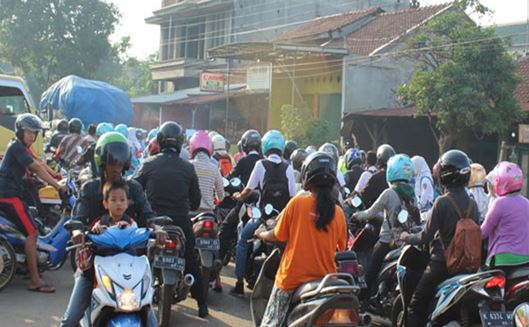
pixel 175 97
pixel 405 112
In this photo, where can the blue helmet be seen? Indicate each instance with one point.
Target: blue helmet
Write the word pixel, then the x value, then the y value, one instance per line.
pixel 103 128
pixel 273 140
pixel 123 130
pixel 353 156
pixel 152 134
pixel 400 168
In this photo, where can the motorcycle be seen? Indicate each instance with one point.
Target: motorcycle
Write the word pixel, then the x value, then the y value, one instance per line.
pixel 123 293
pixel 168 264
pixel 207 244
pixel 52 249
pixel 330 301
pixel 222 210
pixel 517 287
pixel 462 300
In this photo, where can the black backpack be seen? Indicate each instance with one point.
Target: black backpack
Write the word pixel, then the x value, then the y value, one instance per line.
pixel 275 185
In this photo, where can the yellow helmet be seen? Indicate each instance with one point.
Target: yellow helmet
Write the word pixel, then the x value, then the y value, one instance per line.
pixel 478 175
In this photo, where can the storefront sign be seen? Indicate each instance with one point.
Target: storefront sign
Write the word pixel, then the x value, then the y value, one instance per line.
pixel 523 133
pixel 212 82
pixel 259 77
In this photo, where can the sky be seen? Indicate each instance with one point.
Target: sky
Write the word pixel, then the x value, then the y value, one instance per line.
pixel 145 38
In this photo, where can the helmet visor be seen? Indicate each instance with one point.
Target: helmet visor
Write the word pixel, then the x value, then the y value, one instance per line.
pixel 116 154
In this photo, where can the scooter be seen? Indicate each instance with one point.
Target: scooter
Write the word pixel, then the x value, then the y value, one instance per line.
pixel 331 301
pixel 517 287
pixel 123 292
pixel 207 244
pixel 462 300
pixel 168 265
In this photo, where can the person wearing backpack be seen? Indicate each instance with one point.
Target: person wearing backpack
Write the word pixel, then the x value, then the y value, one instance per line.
pixel 275 179
pixel 451 231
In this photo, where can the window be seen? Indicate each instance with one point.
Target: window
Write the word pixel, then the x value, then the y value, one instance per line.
pixel 12 101
pixel 218 29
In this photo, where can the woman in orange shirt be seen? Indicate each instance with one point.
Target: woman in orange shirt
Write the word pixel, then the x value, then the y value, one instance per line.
pixel 314 228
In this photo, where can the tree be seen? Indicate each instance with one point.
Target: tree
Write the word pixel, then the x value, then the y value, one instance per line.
pixel 464 81
pixel 135 77
pixel 298 124
pixel 46 40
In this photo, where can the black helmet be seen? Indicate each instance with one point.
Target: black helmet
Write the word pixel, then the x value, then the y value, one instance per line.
pixel 62 126
pixel 331 150
pixel 27 122
pixel 170 135
pixel 297 158
pixel 251 140
pixel 384 152
pixel 318 169
pixel 75 125
pixel 454 168
pixel 290 146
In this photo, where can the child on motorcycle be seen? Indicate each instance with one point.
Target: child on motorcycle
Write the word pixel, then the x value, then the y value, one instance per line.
pixel 509 213
pixel 115 200
pixel 454 174
pixel 399 197
pixel 314 228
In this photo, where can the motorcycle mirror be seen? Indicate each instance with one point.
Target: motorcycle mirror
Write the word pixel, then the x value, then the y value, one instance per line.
pixel 74 225
pixel 225 182
pixel 79 149
pixel 403 216
pixel 346 190
pixel 256 213
pixel 356 201
pixel 521 315
pixel 269 209
pixel 235 182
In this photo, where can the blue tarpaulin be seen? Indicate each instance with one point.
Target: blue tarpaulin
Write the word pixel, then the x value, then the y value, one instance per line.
pixel 91 101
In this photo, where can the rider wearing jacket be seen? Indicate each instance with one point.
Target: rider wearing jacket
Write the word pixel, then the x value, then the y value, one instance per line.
pixel 377 183
pixel 454 175
pixel 172 188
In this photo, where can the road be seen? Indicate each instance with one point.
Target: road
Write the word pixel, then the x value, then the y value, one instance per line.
pixel 20 308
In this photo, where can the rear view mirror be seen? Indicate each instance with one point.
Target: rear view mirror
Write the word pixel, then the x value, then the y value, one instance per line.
pixel 356 201
pixel 347 191
pixel 256 213
pixel 225 182
pixel 235 182
pixel 521 315
pixel 403 216
pixel 79 149
pixel 268 209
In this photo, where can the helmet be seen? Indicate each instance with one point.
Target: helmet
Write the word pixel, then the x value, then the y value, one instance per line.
pixel 353 157
pixel 112 148
pixel 454 168
pixel 384 152
pixel 123 130
pixel 508 178
pixel 311 149
pixel 152 134
pixel 400 168
pixel 170 135
pixel 239 146
pixel 212 134
pixel 62 126
pixel 75 125
pixel 219 143
pixel 103 128
pixel 290 146
pixel 28 122
pixel 251 140
pixel 331 150
pixel 297 158
pixel 273 140
pixel 478 175
pixel 153 147
pixel 200 141
pixel 318 169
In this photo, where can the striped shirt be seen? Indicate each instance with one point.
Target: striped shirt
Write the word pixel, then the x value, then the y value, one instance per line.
pixel 209 180
pixel 68 149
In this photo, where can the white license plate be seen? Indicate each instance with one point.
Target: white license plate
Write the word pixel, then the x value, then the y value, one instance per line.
pixel 207 244
pixel 169 262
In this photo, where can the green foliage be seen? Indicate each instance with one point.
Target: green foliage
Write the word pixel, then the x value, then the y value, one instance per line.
pixel 46 40
pixel 465 80
pixel 135 77
pixel 298 124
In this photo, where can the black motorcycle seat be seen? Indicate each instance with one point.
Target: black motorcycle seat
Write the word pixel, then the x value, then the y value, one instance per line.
pixel 311 286
pixel 203 216
pixel 393 255
pixel 522 272
pixel 345 255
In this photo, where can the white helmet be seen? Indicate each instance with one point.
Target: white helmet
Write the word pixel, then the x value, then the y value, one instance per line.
pixel 219 144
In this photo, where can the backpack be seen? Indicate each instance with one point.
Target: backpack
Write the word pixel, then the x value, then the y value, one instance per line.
pixel 464 251
pixel 275 185
pixel 225 165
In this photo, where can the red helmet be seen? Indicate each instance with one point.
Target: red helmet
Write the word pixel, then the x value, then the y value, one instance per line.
pixel 200 141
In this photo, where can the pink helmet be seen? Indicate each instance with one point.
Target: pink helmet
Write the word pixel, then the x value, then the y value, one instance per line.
pixel 508 178
pixel 200 140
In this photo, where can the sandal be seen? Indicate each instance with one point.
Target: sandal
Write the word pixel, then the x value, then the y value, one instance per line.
pixel 44 288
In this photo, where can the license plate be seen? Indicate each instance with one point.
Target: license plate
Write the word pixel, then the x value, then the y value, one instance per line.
pixel 207 244
pixel 169 262
pixel 496 318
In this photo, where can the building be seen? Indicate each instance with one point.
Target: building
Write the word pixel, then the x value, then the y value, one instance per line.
pixel 517 33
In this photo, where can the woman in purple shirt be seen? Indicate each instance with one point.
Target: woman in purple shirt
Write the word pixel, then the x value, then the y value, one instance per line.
pixel 507 222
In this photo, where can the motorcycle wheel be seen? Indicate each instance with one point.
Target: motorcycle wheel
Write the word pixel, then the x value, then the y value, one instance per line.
pixel 165 301
pixel 397 313
pixel 8 263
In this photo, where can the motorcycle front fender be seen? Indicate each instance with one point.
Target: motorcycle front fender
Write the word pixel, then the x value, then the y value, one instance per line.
pixel 126 320
pixel 170 277
pixel 206 258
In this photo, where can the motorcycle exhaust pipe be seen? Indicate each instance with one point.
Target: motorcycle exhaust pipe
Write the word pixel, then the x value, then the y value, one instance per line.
pixel 189 280
pixel 365 319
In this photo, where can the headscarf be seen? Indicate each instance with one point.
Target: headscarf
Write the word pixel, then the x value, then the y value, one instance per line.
pixel 133 141
pixel 423 176
pixel 490 181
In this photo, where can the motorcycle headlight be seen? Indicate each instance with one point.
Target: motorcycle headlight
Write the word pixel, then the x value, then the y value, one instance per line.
pixel 127 301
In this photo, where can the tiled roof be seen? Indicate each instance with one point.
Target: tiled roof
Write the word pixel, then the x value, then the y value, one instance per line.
pixel 328 23
pixel 386 27
pixel 522 89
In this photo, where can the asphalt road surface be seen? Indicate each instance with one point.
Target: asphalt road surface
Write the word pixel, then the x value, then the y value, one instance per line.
pixel 19 307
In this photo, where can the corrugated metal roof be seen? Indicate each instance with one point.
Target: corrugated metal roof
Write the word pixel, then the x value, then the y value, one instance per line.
pixel 168 98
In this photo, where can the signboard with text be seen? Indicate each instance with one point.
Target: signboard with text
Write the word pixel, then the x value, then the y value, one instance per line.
pixel 259 77
pixel 212 82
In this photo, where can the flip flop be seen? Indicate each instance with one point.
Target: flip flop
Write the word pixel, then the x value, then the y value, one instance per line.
pixel 44 288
